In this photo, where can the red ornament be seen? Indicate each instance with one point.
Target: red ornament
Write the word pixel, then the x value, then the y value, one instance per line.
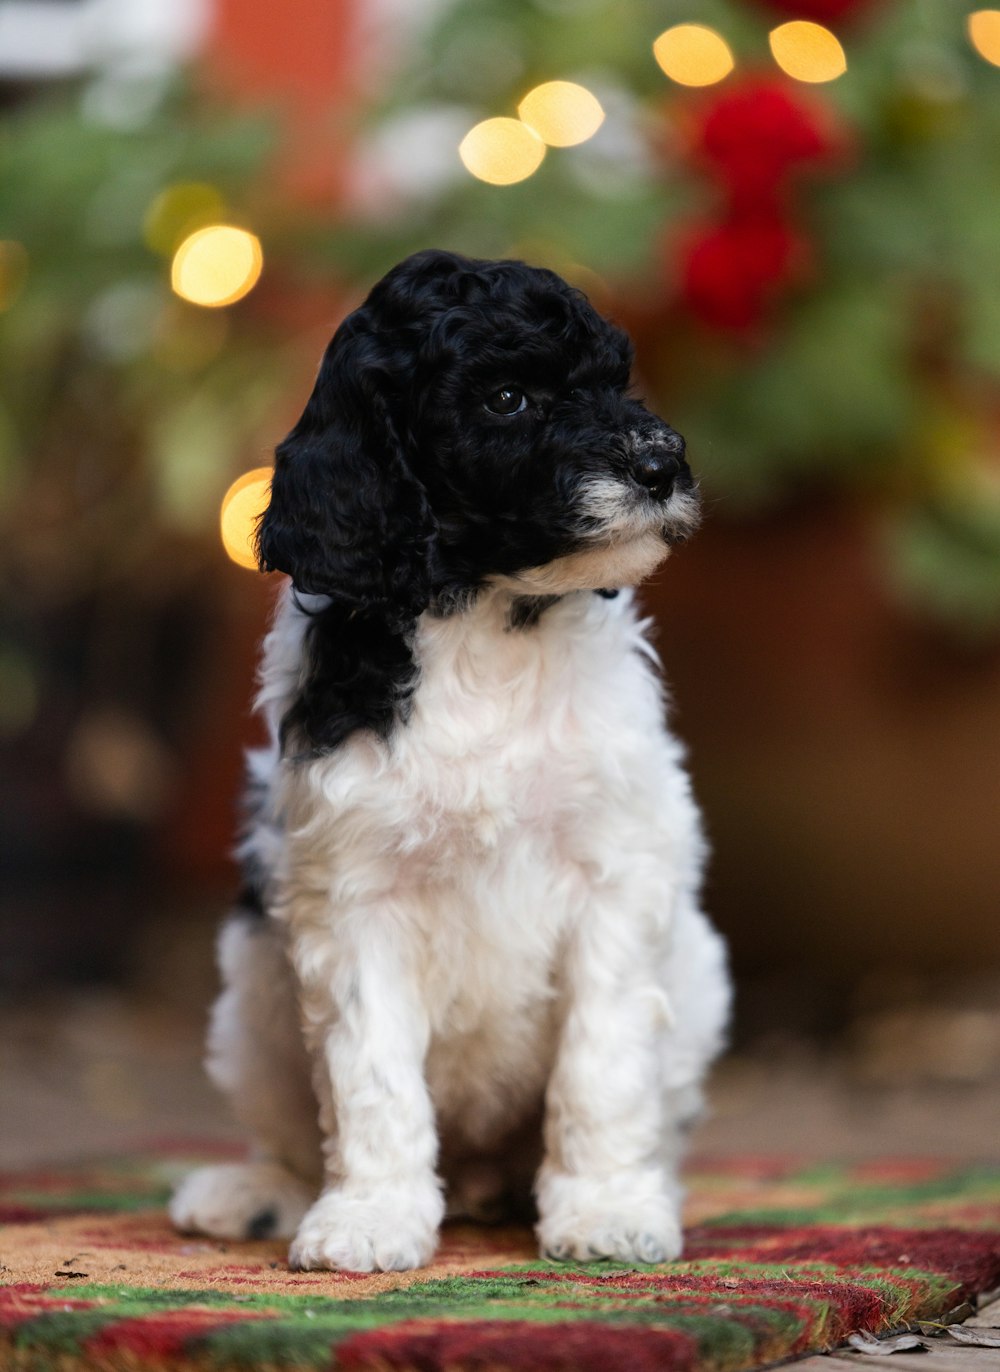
pixel 756 132
pixel 732 272
pixel 753 137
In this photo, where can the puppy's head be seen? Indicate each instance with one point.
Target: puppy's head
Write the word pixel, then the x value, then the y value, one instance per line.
pixel 472 424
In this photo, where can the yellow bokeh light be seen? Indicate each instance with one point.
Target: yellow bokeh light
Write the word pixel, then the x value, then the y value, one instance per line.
pixel 807 51
pixel 242 505
pixel 177 211
pixel 693 55
pixel 561 113
pixel 216 265
pixel 984 34
pixel 501 151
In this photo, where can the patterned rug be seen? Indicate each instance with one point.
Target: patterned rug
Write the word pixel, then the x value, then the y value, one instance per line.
pixel 781 1259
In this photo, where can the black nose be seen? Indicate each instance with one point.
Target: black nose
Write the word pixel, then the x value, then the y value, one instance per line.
pixel 656 470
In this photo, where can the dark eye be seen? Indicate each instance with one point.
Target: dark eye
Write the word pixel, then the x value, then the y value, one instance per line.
pixel 507 400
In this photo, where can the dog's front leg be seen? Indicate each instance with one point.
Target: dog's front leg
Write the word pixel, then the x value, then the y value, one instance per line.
pixel 382 1203
pixel 603 1189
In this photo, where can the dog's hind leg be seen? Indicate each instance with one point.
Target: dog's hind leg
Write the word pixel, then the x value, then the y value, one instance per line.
pixel 700 993
pixel 257 1058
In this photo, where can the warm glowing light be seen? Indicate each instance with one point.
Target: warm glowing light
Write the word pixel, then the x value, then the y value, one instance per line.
pixel 501 151
pixel 177 211
pixel 984 34
pixel 13 270
pixel 216 265
pixel 807 51
pixel 693 55
pixel 242 505
pixel 561 113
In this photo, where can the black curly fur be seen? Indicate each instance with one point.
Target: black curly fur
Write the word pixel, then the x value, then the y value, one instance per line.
pixel 398 491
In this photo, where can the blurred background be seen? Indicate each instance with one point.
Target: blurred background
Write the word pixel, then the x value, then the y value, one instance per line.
pixel 793 207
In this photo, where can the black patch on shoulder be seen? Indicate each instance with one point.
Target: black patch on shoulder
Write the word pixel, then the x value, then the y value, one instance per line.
pixel 608 592
pixel 359 674
pixel 527 610
pixel 263 1224
pixel 250 902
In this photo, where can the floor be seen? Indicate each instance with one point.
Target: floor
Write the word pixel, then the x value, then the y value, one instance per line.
pixel 944 1354
pixel 100 1072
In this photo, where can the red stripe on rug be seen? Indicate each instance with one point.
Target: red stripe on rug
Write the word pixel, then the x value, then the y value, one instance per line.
pixel 970 1256
pixel 518 1346
pixel 162 1335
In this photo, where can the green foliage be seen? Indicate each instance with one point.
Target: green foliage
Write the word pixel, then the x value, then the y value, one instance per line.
pixel 826 400
pixel 124 412
pixel 945 556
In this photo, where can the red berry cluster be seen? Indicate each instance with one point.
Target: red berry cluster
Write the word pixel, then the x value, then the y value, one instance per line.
pixel 752 138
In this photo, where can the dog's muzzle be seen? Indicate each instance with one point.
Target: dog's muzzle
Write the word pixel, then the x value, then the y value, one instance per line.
pixel 657 461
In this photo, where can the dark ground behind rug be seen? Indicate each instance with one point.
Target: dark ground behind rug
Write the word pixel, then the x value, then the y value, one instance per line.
pixel 781 1259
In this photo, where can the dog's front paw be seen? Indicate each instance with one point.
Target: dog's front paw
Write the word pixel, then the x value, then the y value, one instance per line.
pixel 628 1218
pixel 390 1228
pixel 241 1200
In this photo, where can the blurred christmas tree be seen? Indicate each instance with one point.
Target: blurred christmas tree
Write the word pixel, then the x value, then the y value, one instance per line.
pixel 797 222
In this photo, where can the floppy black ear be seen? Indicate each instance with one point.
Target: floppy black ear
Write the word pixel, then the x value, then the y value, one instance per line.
pixel 347 518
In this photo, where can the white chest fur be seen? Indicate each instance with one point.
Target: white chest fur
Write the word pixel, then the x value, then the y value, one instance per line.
pixel 514 735
pixel 510 728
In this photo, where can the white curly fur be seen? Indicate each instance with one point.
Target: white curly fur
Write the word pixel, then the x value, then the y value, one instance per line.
pixel 491 919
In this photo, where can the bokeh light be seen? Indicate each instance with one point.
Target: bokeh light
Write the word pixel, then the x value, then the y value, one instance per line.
pixel 561 113
pixel 807 51
pixel 117 765
pixel 693 55
pixel 216 265
pixel 242 505
pixel 177 211
pixel 984 34
pixel 501 151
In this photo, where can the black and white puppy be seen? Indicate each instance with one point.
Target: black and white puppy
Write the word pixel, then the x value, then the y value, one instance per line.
pixel 473 857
